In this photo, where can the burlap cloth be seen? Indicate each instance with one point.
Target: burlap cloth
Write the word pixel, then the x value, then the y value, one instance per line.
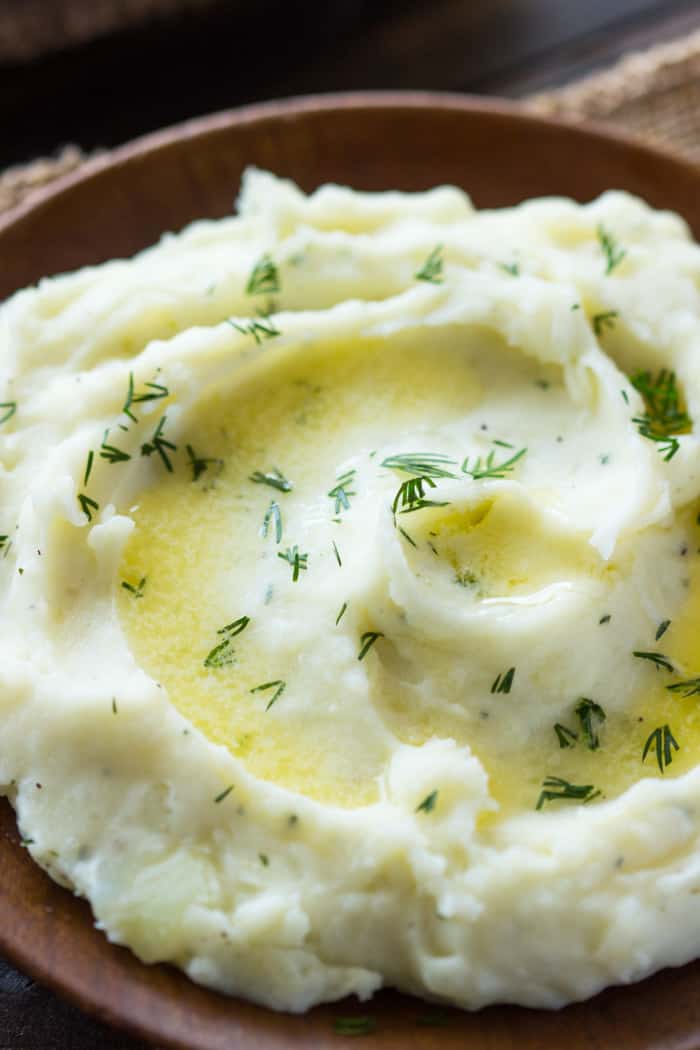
pixel 654 93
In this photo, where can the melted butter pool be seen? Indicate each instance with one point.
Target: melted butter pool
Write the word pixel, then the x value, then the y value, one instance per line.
pixel 198 544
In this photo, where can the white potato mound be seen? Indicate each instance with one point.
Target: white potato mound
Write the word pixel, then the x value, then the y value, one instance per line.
pixel 349 583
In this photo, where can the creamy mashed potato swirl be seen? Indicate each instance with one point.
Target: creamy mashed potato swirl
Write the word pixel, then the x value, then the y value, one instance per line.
pixel 349 582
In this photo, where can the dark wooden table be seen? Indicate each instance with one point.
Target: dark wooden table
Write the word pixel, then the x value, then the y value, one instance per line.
pixel 113 89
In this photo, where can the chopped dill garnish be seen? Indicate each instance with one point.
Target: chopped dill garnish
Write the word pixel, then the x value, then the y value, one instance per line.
pixel 566 737
pixel 657 659
pixel 264 277
pixel 260 330
pixel 605 619
pixel 423 464
pixel 407 537
pixel 341 614
pixel 159 444
pixel 222 655
pixel 613 253
pixel 336 552
pixel 664 743
pixel 341 491
pixel 279 686
pixel 466 578
pixel 661 629
pixel 367 641
pixel 200 464
pixel 690 687
pixel 111 453
pixel 556 789
pixel 264 859
pixel 114 705
pixel 273 513
pixel 603 321
pixel 153 392
pixel 591 716
pixel 137 591
pixel 503 444
pixel 297 561
pixel 88 467
pixel 429 802
pixel 10 407
pixel 504 681
pixel 512 268
pixel 274 478
pixel 431 270
pixel 410 496
pixel 87 505
pixel 354 1025
pixel 224 794
pixel 664 415
pixel 489 469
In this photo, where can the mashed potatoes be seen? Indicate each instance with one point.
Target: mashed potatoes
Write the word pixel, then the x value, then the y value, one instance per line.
pixel 350 595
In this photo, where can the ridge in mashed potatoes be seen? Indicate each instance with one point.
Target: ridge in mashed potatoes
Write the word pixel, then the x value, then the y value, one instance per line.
pixel 350 582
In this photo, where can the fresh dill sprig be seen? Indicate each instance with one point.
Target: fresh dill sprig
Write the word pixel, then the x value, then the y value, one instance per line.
pixel 337 553
pixel 159 444
pixel 504 681
pixel 298 562
pixel 200 464
pixel 111 453
pixel 613 253
pixel 354 1025
pixel 407 537
pixel 512 268
pixel 222 655
pixel 341 614
pixel 224 794
pixel 88 467
pixel 591 717
pixel 690 687
pixel 431 270
pixel 410 496
pixel 422 464
pixel 264 277
pixel 664 743
pixel 87 505
pixel 429 802
pixel 153 392
pixel 657 659
pixel 490 469
pixel 556 788
pixel 367 641
pixel 664 415
pixel 274 478
pixel 260 330
pixel 279 686
pixel 661 629
pixel 341 491
pixel 603 321
pixel 566 737
pixel 273 513
pixel 10 407
pixel 137 590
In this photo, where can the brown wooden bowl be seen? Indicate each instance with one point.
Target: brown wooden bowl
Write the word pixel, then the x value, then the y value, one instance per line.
pixel 117 205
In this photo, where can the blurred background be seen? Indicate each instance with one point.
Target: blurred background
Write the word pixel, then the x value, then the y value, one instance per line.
pixel 99 72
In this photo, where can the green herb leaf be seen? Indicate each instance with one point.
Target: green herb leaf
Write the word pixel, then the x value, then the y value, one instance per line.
pixel 490 469
pixel 337 553
pixel 224 794
pixel 222 655
pixel 273 513
pixel 87 505
pixel 512 268
pixel 274 478
pixel 367 641
pixel 297 561
pixel 610 248
pixel 88 467
pixel 10 407
pixel 556 788
pixel 138 590
pixel 504 681
pixel 431 270
pixel 153 392
pixel 663 742
pixel 264 277
pixel 159 444
pixel 341 491
pixel 340 615
pixel 661 629
pixel 658 659
pixel 429 803
pixel 111 453
pixel 410 496
pixel 423 464
pixel 591 717
pixel 200 464
pixel 603 321
pixel 664 414
pixel 260 330
pixel 565 736
pixel 690 687
pixel 279 686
